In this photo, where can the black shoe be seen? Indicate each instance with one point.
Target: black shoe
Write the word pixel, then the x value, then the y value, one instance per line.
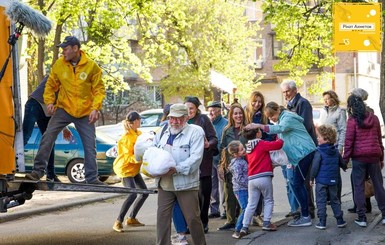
pixel 34 175
pixel 206 228
pixel 293 214
pixel 223 216
pixel 227 227
pixel 54 179
pixel 352 210
pixel 214 215
pixel 361 221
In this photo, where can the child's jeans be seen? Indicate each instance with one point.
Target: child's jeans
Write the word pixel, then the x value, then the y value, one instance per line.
pixel 242 197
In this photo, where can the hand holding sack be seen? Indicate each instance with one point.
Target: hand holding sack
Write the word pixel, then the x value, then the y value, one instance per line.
pixel 156 162
pixel 143 142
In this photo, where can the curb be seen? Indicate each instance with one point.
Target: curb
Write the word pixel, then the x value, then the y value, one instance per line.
pixel 26 213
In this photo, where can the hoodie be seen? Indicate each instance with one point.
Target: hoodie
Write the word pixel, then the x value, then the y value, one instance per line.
pixel 364 144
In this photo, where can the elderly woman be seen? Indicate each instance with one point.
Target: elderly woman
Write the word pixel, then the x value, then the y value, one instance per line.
pixel 299 148
pixel 334 115
pixel 363 145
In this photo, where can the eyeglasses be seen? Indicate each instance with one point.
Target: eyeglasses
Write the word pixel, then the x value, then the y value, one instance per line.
pixel 176 118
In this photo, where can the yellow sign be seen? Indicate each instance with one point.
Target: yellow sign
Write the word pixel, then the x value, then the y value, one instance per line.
pixel 357 27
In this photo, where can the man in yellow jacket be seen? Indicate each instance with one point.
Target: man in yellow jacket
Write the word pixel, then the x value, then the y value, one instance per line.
pixel 77 79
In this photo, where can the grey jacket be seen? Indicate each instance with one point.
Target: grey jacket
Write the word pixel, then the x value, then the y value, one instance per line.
pixel 335 116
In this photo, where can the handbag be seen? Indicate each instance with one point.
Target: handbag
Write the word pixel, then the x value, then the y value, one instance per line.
pixel 279 158
pixel 369 190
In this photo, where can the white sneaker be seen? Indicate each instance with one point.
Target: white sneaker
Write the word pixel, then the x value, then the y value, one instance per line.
pixel 383 221
pixel 178 239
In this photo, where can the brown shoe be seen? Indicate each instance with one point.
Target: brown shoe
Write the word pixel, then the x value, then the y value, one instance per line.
pixel 270 227
pixel 118 227
pixel 133 222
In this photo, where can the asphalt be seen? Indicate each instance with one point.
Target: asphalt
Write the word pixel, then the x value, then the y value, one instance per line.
pixel 49 201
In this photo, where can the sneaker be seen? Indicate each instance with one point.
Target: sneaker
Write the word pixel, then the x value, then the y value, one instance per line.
pixel 269 227
pixel 34 175
pixel 133 222
pixel 54 179
pixel 301 221
pixel 206 228
pixel 383 221
pixel 179 239
pixel 214 215
pixel 118 227
pixel 226 227
pixel 257 221
pixel 223 216
pixel 244 232
pixel 361 221
pixel 341 223
pixel 321 225
pixel 236 235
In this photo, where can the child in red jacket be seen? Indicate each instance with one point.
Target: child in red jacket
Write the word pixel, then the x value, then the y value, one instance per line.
pixel 260 174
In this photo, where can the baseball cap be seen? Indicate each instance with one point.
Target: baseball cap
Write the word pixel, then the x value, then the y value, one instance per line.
pixel 178 110
pixel 69 40
pixel 132 116
pixel 215 104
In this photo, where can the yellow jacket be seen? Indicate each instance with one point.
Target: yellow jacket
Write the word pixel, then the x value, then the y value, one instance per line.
pixel 125 164
pixel 81 89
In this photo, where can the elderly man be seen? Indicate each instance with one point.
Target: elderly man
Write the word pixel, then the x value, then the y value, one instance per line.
pixel 217 196
pixel 185 142
pixel 298 104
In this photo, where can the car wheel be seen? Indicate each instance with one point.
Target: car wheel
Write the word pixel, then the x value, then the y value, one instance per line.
pixel 76 172
pixel 103 178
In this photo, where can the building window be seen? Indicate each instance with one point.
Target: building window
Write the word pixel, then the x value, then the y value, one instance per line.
pixel 276 47
pixel 155 94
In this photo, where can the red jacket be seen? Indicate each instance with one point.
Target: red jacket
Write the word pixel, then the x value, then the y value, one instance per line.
pixel 364 144
pixel 259 161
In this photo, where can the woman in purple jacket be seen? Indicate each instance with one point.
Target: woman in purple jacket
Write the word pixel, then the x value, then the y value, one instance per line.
pixel 363 144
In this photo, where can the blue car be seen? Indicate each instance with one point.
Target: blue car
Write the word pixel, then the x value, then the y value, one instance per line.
pixel 69 155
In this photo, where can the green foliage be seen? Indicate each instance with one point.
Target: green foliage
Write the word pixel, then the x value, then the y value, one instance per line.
pixel 188 38
pixel 306 32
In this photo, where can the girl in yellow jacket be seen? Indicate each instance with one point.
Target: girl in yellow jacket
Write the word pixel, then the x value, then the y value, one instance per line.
pixel 127 168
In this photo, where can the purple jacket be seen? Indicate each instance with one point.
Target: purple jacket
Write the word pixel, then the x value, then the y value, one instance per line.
pixel 364 144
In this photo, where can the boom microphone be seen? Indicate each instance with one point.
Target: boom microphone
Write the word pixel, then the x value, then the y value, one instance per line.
pixel 27 16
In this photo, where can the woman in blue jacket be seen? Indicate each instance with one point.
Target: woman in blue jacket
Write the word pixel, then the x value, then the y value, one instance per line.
pixel 299 148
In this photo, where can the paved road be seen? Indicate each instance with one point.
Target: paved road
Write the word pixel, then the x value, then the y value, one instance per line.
pixel 67 220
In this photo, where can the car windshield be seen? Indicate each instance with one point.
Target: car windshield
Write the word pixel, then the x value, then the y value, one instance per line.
pixel 150 120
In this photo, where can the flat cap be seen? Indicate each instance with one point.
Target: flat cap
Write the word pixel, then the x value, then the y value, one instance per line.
pixel 215 104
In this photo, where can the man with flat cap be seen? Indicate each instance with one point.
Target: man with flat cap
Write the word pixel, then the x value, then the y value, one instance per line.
pixel 217 196
pixel 78 81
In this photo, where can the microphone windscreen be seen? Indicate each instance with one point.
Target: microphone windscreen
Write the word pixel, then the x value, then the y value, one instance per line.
pixel 37 22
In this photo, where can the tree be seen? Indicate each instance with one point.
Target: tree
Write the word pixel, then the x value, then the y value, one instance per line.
pixel 306 31
pixel 104 27
pixel 188 38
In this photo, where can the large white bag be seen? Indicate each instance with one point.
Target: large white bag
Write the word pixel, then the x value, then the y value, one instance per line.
pixel 279 158
pixel 143 142
pixel 156 162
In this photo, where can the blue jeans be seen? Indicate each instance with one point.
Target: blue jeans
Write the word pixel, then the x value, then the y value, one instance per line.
pixel 58 121
pixel 298 183
pixel 322 192
pixel 178 219
pixel 288 175
pixel 242 197
pixel 34 113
